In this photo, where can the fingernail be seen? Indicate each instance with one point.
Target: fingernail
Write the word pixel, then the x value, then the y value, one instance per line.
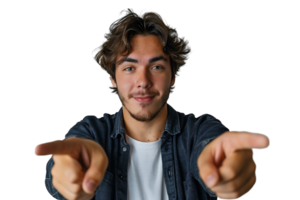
pixel 91 185
pixel 210 180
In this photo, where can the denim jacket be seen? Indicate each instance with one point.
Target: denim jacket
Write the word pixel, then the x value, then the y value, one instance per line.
pixel 183 139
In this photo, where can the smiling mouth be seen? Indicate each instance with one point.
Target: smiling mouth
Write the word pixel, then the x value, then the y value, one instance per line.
pixel 143 99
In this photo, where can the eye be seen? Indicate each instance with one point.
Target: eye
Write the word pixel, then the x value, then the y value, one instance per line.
pixel 131 67
pixel 159 66
pixel 127 68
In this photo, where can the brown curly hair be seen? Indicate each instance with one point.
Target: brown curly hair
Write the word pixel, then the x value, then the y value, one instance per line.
pixel 122 30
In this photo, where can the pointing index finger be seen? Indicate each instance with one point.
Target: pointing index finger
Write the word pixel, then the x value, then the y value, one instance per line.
pixel 257 140
pixel 55 147
pixel 260 141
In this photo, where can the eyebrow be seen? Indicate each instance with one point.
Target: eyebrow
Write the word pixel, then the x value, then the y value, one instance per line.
pixel 136 61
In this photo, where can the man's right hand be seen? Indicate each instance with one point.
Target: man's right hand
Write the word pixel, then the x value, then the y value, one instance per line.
pixel 79 166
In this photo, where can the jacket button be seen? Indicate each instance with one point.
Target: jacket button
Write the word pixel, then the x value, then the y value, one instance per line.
pixel 124 149
pixel 121 176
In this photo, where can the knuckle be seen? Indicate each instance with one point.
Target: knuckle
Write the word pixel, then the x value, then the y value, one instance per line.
pixel 54 157
pixel 235 195
pixel 71 175
pixel 74 197
pixel 78 196
pixel 232 187
pixel 230 172
pixel 77 189
pixel 54 182
pixel 52 172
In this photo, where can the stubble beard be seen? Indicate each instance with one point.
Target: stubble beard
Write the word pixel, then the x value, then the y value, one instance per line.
pixel 149 117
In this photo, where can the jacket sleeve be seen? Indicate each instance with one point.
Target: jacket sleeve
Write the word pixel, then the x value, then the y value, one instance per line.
pixel 206 129
pixel 51 189
pixel 83 130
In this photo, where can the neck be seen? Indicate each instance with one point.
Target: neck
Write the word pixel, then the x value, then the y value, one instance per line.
pixel 148 131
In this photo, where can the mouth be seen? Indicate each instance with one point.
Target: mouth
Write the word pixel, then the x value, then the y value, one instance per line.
pixel 144 99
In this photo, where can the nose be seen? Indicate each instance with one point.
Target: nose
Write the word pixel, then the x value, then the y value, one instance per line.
pixel 143 79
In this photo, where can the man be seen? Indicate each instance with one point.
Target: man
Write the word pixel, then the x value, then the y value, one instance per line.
pixel 148 150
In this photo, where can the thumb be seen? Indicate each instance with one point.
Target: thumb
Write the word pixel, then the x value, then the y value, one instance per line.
pixel 211 176
pixel 90 186
pixel 212 179
pixel 91 181
pixel 208 171
pixel 95 173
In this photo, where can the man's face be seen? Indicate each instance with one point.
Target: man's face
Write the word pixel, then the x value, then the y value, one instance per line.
pixel 144 78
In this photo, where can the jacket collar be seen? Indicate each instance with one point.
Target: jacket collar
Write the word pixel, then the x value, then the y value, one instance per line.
pixel 172 126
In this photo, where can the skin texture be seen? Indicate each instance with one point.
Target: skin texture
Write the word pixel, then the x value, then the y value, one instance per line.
pixel 144 121
pixel 226 164
pixel 78 162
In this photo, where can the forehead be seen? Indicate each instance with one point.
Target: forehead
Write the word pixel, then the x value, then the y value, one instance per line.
pixel 145 46
pixel 146 42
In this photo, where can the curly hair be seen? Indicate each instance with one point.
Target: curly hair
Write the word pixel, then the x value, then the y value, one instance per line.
pixel 122 30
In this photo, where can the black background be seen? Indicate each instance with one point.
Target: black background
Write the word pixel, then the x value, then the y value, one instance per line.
pixel 226 76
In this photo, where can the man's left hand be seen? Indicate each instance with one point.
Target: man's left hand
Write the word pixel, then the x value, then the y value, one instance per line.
pixel 226 165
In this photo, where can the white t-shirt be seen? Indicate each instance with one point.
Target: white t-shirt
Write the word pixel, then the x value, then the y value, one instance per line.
pixel 145 174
